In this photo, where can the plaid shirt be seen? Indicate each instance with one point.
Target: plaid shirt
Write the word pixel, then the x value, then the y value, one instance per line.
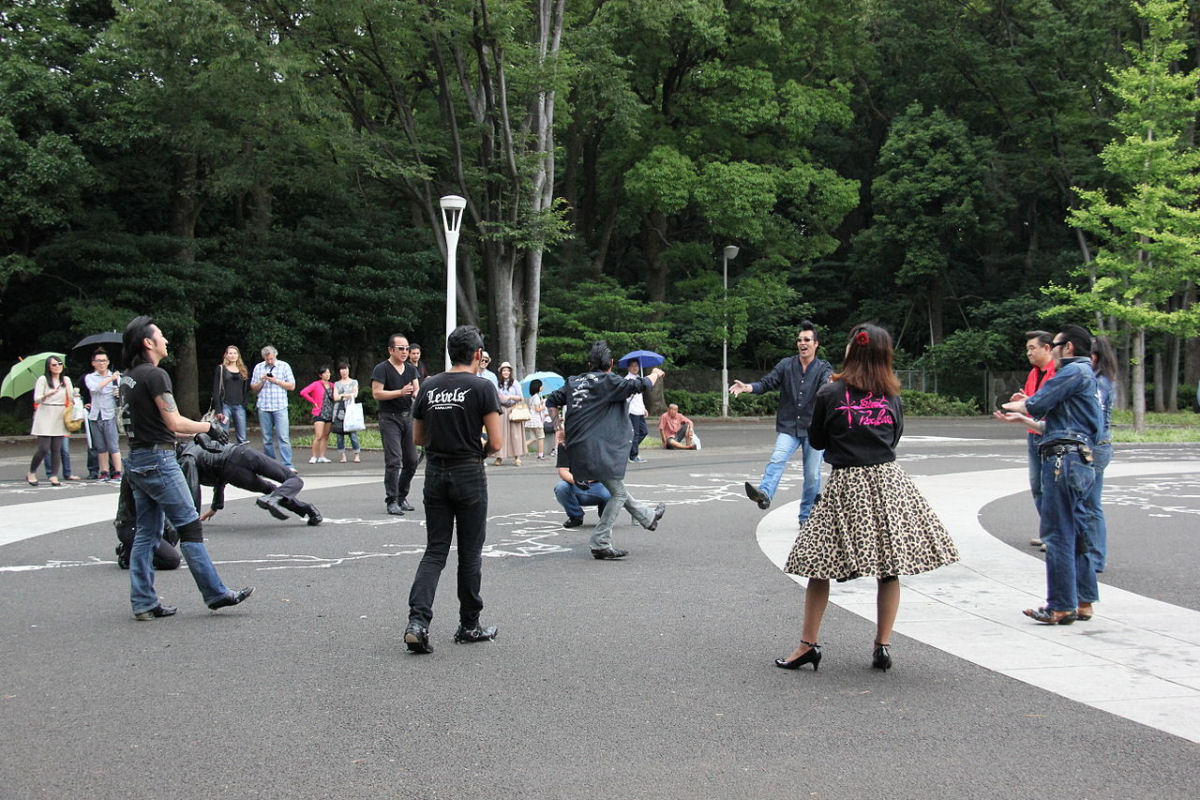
pixel 272 397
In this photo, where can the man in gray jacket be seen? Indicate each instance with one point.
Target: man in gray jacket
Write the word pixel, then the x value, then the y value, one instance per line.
pixel 797 378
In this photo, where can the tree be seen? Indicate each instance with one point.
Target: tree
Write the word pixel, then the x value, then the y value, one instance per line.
pixel 1149 221
pixel 459 97
pixel 933 214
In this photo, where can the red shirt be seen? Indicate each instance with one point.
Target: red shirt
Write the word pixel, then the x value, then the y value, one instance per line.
pixel 1035 379
pixel 671 426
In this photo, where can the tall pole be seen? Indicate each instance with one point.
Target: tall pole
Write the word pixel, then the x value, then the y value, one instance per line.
pixel 452 212
pixel 729 252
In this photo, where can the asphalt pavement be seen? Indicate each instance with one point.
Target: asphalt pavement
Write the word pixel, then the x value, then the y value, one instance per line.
pixel 651 677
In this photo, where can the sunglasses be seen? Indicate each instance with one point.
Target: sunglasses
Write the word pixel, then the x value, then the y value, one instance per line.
pixel 1058 344
pixel 399 347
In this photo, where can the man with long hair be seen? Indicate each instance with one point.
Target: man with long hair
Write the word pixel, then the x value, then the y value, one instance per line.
pixel 159 489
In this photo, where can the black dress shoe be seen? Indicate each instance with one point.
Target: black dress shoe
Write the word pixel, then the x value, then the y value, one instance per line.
pixel 609 553
pixel 122 557
pixel 659 510
pixel 271 504
pixel 416 637
pixel 231 599
pixel 757 495
pixel 158 611
pixel 406 506
pixel 573 522
pixel 314 517
pixel 476 634
pixel 394 509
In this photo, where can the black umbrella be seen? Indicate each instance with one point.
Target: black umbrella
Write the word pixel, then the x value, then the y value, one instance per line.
pixel 108 337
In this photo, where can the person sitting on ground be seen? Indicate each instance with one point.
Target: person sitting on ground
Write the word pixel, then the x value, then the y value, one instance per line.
pixel 676 430
pixel 574 494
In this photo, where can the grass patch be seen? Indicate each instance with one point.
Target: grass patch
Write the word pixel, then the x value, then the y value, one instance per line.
pixel 367 440
pixel 1183 427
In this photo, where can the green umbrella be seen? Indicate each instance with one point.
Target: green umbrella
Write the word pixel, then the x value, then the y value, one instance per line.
pixel 24 374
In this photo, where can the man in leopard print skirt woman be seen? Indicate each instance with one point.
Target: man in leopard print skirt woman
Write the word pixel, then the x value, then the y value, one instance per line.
pixel 871 520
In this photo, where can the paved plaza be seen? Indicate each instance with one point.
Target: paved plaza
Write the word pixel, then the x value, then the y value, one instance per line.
pixel 651 677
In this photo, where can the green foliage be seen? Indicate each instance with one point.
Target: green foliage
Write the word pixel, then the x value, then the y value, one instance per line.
pixel 1149 221
pixel 927 404
pixel 576 315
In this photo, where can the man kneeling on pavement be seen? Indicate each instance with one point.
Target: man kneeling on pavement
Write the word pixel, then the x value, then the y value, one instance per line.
pixel 574 494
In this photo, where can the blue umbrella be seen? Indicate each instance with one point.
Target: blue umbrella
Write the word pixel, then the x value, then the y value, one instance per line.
pixel 550 381
pixel 647 358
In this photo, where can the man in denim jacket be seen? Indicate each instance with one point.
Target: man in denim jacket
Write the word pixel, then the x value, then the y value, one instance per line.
pixel 797 378
pixel 1069 408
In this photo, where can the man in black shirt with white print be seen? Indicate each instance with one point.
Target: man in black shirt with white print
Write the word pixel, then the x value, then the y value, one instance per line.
pixel 394 384
pixel 448 415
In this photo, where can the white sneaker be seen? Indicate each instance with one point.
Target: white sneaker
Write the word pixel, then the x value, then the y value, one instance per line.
pixel 323 460
pixel 312 460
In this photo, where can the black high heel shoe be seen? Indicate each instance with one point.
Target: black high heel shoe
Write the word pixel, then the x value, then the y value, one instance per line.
pixel 882 658
pixel 812 656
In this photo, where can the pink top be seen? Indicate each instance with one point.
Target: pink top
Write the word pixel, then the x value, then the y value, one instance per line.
pixel 315 394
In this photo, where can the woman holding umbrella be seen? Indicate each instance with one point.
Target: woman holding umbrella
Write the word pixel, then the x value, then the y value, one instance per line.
pixel 52 393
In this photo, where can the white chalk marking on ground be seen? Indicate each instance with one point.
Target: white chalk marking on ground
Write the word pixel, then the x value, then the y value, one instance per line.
pixel 1138 658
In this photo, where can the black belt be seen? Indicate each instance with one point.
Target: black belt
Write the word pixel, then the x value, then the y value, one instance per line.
pixel 156 446
pixel 1049 450
pixel 452 461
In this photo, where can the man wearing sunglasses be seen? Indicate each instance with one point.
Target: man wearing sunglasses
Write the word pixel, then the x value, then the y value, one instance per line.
pixel 797 378
pixel 1067 411
pixel 394 384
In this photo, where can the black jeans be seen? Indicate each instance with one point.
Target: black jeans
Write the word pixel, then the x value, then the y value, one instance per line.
pixel 251 470
pixel 640 431
pixel 455 495
pixel 399 454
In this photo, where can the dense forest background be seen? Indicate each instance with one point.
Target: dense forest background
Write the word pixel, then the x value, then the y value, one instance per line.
pixel 268 172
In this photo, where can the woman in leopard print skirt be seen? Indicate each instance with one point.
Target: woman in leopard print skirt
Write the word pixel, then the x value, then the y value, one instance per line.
pixel 871 520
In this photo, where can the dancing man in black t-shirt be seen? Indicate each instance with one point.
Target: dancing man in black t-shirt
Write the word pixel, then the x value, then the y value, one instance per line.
pixel 159 489
pixel 448 415
pixel 394 384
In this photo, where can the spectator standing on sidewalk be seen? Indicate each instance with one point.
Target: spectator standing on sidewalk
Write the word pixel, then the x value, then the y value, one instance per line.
pixel 394 384
pixel 273 379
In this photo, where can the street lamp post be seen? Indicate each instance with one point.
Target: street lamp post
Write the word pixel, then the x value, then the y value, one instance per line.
pixel 452 213
pixel 727 255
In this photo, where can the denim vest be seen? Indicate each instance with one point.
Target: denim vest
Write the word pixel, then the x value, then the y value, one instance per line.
pixel 1069 403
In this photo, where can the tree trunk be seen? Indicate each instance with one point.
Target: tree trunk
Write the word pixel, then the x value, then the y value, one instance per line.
pixel 1159 380
pixel 1139 381
pixel 1171 390
pixel 185 210
pixel 655 231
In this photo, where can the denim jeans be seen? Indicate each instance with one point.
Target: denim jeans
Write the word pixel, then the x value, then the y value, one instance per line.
pixel 275 423
pixel 341 441
pixel 573 499
pixel 235 417
pixel 399 455
pixel 785 446
pixel 1097 526
pixel 619 498
pixel 1070 577
pixel 160 492
pixel 455 497
pixel 1035 468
